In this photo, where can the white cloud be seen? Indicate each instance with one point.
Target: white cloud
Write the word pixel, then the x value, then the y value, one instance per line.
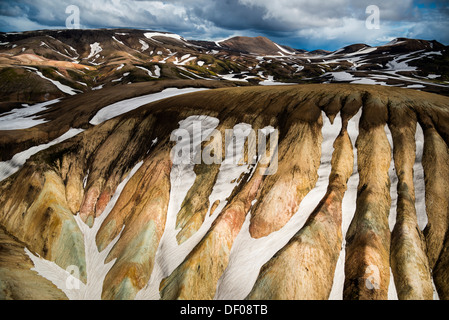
pixel 312 13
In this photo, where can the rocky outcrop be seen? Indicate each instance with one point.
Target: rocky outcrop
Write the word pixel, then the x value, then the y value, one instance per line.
pixel 113 156
pixel 436 173
pixel 34 209
pixel 441 272
pixel 196 204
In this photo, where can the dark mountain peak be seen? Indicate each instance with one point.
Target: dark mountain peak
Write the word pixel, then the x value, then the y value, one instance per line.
pixel 354 48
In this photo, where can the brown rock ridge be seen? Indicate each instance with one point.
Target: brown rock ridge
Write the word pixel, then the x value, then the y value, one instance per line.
pixel 367 266
pixel 409 262
pixel 109 161
pixel 282 192
pixel 38 202
pixel 441 272
pixel 17 280
pixel 304 268
pixel 436 174
pixel 197 276
pixel 34 209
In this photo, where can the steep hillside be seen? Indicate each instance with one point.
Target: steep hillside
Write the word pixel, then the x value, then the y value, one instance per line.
pixel 256 46
pixel 356 207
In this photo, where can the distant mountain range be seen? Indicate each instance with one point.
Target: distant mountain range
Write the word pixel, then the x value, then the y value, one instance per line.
pixel 42 65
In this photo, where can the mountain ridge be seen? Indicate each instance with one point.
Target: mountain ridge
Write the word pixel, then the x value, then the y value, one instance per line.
pixel 48 64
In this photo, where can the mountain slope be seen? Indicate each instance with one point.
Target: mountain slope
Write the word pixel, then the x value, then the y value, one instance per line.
pixel 52 64
pixel 257 46
pixel 109 199
pixel 136 164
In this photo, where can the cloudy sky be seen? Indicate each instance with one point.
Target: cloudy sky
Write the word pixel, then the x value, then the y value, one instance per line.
pixel 301 24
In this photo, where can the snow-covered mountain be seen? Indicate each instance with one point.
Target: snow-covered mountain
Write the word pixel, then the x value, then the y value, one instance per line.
pixel 43 65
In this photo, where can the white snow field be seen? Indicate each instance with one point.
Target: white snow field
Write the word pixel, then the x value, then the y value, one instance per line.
pixel 7 168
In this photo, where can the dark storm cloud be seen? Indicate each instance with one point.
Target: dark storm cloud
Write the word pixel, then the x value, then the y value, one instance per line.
pixel 298 23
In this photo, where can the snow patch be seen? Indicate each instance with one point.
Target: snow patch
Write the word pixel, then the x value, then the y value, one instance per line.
pixel 127 105
pixel 418 180
pixel 283 49
pixel 59 85
pixel 115 39
pixel 96 269
pixel 415 86
pixel 270 82
pixel 7 168
pixel 145 45
pixel 98 87
pixel 150 35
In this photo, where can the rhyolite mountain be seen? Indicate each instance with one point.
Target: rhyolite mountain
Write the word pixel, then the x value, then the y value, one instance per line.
pixel 93 205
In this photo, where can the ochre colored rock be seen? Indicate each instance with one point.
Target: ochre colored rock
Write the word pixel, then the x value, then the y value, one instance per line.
pixel 441 272
pixel 17 280
pixel 282 192
pixel 436 174
pixel 37 213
